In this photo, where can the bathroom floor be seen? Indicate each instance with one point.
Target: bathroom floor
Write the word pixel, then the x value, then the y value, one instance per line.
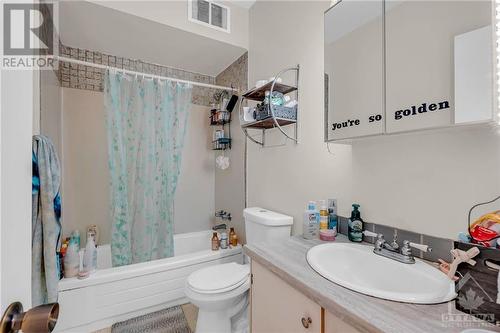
pixel 190 311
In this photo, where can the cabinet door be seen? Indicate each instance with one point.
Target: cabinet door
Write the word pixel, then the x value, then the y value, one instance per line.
pixel 334 324
pixel 279 308
pixel 354 69
pixel 439 63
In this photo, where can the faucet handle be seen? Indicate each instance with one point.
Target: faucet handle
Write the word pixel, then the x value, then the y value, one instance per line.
pixel 370 234
pixel 421 247
pixel 407 245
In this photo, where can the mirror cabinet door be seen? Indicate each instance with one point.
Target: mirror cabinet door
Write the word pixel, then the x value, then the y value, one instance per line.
pixel 354 71
pixel 439 63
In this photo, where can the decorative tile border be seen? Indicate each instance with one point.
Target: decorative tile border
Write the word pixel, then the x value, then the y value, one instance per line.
pixel 236 75
pixel 91 78
pixel 440 246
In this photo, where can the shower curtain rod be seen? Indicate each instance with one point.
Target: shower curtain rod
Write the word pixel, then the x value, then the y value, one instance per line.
pixel 194 83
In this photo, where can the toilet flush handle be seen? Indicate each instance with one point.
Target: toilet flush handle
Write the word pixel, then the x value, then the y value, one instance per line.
pixel 306 322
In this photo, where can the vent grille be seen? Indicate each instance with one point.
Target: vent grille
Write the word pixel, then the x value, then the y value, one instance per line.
pixel 210 14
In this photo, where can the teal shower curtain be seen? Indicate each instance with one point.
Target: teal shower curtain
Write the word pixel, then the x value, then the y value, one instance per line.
pixel 146 124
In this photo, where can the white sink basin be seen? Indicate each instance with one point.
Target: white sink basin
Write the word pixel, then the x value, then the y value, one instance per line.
pixel 356 267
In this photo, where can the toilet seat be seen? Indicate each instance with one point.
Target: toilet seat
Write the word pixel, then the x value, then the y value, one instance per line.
pixel 218 278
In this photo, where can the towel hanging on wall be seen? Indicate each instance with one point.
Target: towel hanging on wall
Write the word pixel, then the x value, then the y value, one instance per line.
pixel 46 224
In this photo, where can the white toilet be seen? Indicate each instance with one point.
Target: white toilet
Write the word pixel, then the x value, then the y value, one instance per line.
pixel 221 291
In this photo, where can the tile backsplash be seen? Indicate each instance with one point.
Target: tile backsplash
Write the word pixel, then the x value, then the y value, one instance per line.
pixel 440 246
pixel 91 78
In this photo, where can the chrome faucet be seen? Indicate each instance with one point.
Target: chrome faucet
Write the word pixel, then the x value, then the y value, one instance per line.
pixel 223 215
pixel 391 251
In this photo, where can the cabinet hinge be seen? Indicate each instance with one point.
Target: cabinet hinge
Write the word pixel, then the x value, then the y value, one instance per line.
pixel 251 278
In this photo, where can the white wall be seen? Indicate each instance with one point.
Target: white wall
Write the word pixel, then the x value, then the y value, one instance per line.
pixel 230 183
pixel 17 95
pixel 85 168
pixel 174 13
pixel 85 180
pixel 424 182
pixel 195 199
pixel 50 112
pixel 285 178
pixel 427 182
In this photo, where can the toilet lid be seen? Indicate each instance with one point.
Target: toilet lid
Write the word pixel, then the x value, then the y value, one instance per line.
pixel 219 278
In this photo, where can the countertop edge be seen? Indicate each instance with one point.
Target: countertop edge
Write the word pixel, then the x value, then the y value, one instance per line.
pixel 329 305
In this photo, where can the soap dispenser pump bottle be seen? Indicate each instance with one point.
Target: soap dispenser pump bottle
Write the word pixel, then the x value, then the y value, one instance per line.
pixel 355 225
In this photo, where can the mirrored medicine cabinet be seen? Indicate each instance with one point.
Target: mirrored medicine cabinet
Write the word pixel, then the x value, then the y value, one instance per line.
pixel 399 66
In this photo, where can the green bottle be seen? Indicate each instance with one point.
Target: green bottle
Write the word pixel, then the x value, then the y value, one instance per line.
pixel 355 225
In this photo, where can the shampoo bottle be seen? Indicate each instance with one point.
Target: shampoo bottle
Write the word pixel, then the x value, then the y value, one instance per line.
pixel 311 222
pixel 90 257
pixel 355 225
pixel 323 215
pixel 332 216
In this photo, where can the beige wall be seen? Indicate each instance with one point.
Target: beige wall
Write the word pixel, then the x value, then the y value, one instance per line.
pixel 427 182
pixel 284 178
pixel 424 182
pixel 84 160
pixel 174 13
pixel 230 183
pixel 85 168
pixel 49 115
pixel 194 199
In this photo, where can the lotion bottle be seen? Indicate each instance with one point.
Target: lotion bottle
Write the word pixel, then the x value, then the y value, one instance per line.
pixel 323 215
pixel 311 222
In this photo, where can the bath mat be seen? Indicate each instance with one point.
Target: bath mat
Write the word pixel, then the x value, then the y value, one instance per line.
pixel 171 320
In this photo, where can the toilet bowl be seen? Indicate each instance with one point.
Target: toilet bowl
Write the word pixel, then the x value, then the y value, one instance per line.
pixel 220 292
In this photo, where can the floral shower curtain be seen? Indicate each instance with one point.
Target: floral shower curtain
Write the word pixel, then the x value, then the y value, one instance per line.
pixel 146 125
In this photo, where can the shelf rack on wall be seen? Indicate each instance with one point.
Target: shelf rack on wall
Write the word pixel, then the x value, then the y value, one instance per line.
pixel 286 116
pixel 221 118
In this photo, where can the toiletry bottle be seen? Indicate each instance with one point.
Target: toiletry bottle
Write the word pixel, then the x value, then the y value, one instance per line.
pixel 223 240
pixel 76 236
pixel 233 238
pixel 94 231
pixel 311 221
pixel 215 242
pixel 90 257
pixel 71 260
pixel 332 215
pixel 323 215
pixel 355 225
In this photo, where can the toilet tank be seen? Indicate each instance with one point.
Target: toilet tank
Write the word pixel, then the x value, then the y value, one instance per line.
pixel 262 225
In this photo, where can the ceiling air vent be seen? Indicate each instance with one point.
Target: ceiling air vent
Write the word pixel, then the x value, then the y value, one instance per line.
pixel 210 14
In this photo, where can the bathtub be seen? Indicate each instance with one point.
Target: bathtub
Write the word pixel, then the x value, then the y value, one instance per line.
pixel 114 294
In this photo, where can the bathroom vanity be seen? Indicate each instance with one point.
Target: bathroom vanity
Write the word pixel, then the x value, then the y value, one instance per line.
pixel 287 295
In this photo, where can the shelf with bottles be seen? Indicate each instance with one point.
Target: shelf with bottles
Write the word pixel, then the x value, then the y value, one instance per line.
pixel 219 117
pixel 259 93
pixel 275 109
pixel 221 144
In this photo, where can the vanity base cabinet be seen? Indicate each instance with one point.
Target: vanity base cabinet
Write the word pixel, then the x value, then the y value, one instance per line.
pixel 276 307
pixel 334 324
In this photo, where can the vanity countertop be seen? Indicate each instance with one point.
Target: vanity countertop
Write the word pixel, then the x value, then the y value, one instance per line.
pixel 367 314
